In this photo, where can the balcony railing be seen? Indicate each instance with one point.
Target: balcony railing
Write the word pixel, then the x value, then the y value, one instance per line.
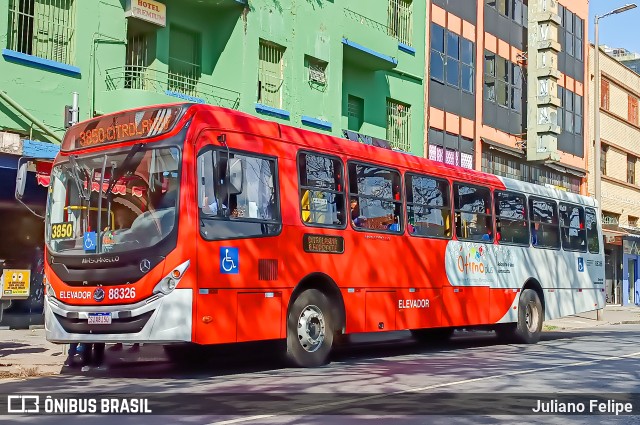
pixel 184 87
pixel 363 20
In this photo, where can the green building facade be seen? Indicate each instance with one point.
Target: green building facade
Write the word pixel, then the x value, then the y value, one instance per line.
pixel 324 65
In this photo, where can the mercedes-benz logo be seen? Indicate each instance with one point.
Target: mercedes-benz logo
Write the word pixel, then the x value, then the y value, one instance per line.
pixel 98 294
pixel 145 265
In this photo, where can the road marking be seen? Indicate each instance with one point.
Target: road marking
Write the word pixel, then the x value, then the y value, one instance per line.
pixel 411 390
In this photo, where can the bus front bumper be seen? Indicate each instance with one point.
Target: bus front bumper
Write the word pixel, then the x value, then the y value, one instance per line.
pixel 158 319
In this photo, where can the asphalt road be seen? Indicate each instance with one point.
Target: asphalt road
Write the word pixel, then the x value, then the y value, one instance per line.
pixel 379 380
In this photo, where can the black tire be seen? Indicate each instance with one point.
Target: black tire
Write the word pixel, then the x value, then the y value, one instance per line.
pixel 311 313
pixel 437 335
pixel 530 318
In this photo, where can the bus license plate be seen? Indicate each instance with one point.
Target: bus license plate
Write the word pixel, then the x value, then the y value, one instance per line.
pixel 99 319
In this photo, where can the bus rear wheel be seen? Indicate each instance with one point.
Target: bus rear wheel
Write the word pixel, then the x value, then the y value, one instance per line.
pixel 309 330
pixel 530 317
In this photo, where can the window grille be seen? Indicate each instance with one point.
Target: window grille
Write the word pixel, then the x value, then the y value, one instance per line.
pixel 398 125
pixel 270 74
pixel 137 62
pixel 317 71
pixel 400 20
pixel 355 113
pixel 43 28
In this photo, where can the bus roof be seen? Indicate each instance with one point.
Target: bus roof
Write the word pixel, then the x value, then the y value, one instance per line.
pixel 392 158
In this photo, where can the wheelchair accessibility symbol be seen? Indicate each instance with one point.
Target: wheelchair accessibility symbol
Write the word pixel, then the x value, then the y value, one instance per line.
pixel 89 241
pixel 580 264
pixel 229 260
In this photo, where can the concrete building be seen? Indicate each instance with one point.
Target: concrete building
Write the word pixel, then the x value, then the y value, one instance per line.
pixel 620 138
pixel 507 87
pixel 629 59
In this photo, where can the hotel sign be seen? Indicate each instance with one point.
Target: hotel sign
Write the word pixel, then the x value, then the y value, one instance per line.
pixel 147 10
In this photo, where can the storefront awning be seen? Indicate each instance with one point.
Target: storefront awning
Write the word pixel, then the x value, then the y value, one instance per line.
pixel 519 153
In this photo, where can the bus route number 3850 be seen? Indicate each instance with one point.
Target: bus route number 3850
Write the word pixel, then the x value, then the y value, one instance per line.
pixel 121 293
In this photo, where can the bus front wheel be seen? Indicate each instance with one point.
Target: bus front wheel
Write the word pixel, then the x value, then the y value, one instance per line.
pixel 309 330
pixel 530 317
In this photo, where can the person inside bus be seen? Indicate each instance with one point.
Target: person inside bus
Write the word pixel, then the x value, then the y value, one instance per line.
pixel 534 233
pixel 357 219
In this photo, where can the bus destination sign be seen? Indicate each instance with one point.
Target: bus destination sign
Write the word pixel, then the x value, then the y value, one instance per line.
pixel 122 127
pixel 324 244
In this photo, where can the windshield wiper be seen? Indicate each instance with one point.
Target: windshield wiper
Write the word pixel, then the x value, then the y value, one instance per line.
pixel 127 164
pixel 76 170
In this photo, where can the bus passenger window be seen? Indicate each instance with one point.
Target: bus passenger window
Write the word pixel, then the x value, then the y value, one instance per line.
pixel 574 234
pixel 237 195
pixel 428 206
pixel 545 232
pixel 321 190
pixel 511 218
pixel 376 192
pixel 473 213
pixel 591 223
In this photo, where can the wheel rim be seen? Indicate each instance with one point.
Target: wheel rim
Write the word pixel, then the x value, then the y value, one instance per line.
pixel 311 328
pixel 531 317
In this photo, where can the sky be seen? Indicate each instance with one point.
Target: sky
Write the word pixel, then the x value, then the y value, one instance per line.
pixel 620 30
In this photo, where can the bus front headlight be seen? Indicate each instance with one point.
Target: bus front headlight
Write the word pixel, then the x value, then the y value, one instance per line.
pixel 49 291
pixel 171 280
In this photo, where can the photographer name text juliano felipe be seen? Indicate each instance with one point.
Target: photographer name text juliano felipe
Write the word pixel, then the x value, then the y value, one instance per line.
pixel 607 407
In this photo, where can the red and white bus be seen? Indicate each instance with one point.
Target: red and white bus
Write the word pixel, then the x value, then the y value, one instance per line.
pixel 193 223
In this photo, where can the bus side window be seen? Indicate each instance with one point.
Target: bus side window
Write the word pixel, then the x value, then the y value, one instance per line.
pixel 545 229
pixel 321 190
pixel 428 206
pixel 474 220
pixel 591 223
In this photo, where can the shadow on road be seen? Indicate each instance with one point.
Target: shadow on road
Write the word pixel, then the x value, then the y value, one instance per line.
pixel 224 360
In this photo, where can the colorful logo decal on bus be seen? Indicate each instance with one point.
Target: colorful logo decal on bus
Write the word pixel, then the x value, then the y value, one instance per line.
pixel 89 241
pixel 98 294
pixel 229 260
pixel 580 264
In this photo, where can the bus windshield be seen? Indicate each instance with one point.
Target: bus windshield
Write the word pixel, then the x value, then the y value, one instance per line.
pixel 112 202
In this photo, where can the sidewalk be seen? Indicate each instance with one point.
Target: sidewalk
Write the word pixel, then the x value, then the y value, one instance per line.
pixel 25 353
pixel 613 315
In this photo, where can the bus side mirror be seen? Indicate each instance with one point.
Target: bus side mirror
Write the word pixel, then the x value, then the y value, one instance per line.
pixel 236 176
pixel 21 178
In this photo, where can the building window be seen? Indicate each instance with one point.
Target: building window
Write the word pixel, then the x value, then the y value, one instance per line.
pixel 633 221
pixel 184 61
pixel 631 169
pixel 436 62
pixel 571 33
pixel 450 148
pixel 571 112
pixel 316 72
pixel 270 74
pixel 355 113
pixel 513 9
pixel 503 82
pixel 633 110
pixel 399 125
pixel 43 28
pixel 603 159
pixel 452 59
pixel 400 21
pixel 604 94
